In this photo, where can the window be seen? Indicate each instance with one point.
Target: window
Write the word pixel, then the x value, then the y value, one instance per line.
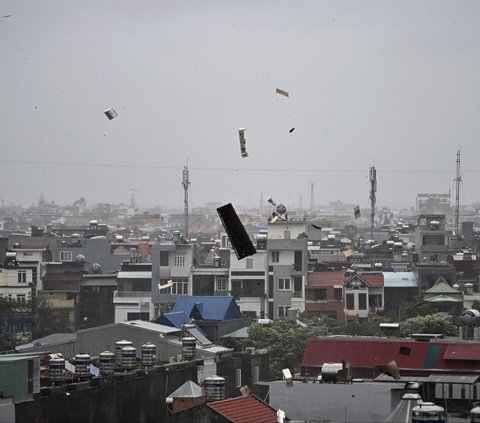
pixel 249 263
pixel 238 378
pixel 163 258
pixel 405 350
pixel 362 301
pixel 337 293
pixel 298 259
pixel 180 286
pixel 221 284
pixel 321 294
pixel 65 256
pixel 350 302
pixel 282 311
pixel 21 297
pixel 286 234
pixel 179 259
pixel 22 276
pixel 284 284
pixel 275 256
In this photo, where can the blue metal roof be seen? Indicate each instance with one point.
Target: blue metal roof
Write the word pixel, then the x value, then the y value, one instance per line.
pixel 208 307
pixel 174 319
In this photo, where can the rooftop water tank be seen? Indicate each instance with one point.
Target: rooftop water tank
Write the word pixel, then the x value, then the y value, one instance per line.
pixel 215 387
pixel 129 357
pixel 428 412
pixel 82 365
pixel 106 363
pixel 189 347
pixel 56 369
pixel 118 350
pixel 149 352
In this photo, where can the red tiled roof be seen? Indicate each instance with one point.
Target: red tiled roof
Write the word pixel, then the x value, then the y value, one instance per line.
pixel 371 279
pixel 407 353
pixel 248 409
pixel 462 352
pixel 325 279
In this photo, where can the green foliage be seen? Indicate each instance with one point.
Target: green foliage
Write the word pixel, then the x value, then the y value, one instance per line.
pixel 50 320
pixel 434 323
pixel 286 342
pixel 476 305
pixel 8 305
pixel 415 308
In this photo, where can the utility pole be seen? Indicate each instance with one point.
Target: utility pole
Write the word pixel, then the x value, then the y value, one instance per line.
pixel 373 199
pixel 458 179
pixel 186 183
pixel 311 197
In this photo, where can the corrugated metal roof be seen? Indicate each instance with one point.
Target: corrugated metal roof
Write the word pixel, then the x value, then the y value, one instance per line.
pixel 209 307
pixel 248 409
pixel 399 280
pixel 134 275
pixel 150 326
pixel 325 279
pixel 407 353
pixel 188 390
pixel 462 352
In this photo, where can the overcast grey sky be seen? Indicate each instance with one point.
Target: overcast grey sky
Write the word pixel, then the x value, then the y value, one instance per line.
pixel 390 83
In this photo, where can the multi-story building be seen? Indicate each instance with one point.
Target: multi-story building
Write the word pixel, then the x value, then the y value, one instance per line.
pixel 287 263
pixel 324 294
pixel 364 295
pixel 171 261
pixel 430 238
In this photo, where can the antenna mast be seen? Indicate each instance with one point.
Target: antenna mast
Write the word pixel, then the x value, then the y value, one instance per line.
pixel 373 199
pixel 311 196
pixel 186 183
pixel 458 179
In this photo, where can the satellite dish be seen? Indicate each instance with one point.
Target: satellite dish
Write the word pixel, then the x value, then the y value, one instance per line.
pixel 80 258
pixel 95 268
pixel 281 209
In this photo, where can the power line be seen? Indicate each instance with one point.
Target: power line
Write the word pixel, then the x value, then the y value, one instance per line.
pixel 262 169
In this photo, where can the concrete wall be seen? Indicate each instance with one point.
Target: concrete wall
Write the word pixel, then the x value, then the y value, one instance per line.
pixel 132 397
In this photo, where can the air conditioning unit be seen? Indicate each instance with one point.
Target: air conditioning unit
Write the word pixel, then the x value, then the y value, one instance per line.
pixel 250 350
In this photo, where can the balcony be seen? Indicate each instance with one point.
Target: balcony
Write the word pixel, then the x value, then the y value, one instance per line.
pixel 139 297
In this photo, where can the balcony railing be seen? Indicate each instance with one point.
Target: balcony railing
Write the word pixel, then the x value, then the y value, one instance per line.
pixel 132 294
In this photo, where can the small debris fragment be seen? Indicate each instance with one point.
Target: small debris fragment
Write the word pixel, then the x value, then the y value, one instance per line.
pixel 356 212
pixel 291 130
pixel 111 113
pixel 243 143
pixel 282 92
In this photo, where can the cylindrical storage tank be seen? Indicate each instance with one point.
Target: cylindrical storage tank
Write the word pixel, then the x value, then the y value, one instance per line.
pixel 475 415
pixel 149 351
pixel 330 372
pixel 106 362
pixel 56 369
pixel 215 387
pixel 118 350
pixel 189 348
pixel 129 357
pixel 428 412
pixel 82 365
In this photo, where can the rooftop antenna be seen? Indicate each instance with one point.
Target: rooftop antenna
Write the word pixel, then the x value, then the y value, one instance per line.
pixel 458 179
pixel 186 183
pixel 373 199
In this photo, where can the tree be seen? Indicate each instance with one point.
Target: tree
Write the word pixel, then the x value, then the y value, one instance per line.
pixel 285 341
pixel 434 323
pixel 414 308
pixel 49 320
